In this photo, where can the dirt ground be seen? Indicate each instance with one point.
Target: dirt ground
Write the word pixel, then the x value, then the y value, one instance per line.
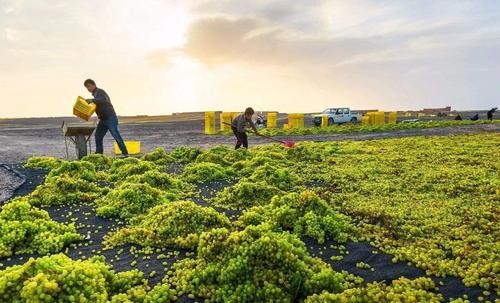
pixel 23 138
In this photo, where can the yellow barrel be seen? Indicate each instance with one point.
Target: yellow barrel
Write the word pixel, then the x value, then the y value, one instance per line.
pixel 210 123
pixel 324 120
pixel 272 119
pixel 286 126
pixel 296 120
pixel 365 119
pixel 421 115
pixel 82 109
pixel 380 117
pixel 225 121
pixel 392 117
pixel 133 147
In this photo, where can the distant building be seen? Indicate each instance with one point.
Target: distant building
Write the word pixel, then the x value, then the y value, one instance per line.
pixel 436 110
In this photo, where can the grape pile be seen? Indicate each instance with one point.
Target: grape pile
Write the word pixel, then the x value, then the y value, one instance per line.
pixel 70 182
pixel 100 161
pixel 131 199
pixel 349 128
pixel 27 229
pixel 178 223
pixel 159 157
pixel 205 171
pixel 400 290
pixel 184 154
pixel 42 163
pixel 304 214
pixel 255 265
pixel 123 168
pixel 245 194
pixel 223 155
pixel 57 278
pixel 162 181
pixel 282 178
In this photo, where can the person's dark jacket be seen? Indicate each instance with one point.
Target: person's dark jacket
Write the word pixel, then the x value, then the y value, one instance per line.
pixel 104 109
pixel 240 122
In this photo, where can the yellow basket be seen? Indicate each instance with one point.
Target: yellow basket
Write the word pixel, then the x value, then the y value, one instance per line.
pixel 82 109
pixel 133 147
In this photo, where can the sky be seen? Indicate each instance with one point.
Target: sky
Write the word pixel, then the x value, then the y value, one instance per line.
pixel 157 57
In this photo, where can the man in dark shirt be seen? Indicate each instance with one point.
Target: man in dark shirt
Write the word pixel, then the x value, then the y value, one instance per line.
pixel 239 127
pixel 107 117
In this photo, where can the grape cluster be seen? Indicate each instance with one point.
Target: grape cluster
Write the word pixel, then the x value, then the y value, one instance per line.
pixel 57 278
pixel 123 168
pixel 42 163
pixel 130 199
pixel 158 156
pixel 185 154
pixel 255 265
pixel 304 214
pixel 245 194
pixel 178 223
pixel 27 229
pixel 205 171
pixel 162 181
pixel 400 290
pixel 101 162
pixel 60 190
pixel 282 178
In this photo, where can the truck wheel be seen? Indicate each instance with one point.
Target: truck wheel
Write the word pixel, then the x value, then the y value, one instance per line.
pixel 330 121
pixel 354 120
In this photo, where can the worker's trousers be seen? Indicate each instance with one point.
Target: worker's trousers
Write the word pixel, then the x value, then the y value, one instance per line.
pixel 241 138
pixel 103 126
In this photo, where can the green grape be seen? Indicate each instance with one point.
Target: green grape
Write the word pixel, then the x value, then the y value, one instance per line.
pixel 27 229
pixel 42 163
pixel 57 278
pixel 205 171
pixel 174 224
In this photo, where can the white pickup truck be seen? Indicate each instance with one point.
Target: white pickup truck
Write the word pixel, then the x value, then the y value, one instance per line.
pixel 337 116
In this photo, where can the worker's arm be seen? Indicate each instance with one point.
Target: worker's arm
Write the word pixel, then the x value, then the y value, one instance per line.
pixel 252 125
pixel 99 98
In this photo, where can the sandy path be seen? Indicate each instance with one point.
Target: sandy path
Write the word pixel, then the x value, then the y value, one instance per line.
pixel 19 143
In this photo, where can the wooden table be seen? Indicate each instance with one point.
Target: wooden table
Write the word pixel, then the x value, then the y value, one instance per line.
pixel 79 134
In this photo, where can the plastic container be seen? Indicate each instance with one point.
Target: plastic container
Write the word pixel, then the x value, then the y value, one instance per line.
pixel 365 119
pixel 324 121
pixel 82 109
pixel 392 117
pixel 296 120
pixel 210 123
pixel 272 119
pixel 225 118
pixel 133 148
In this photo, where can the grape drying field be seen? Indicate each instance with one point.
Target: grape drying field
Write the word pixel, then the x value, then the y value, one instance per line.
pixel 394 220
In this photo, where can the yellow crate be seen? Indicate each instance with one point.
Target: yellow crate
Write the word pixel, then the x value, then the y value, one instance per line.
pixel 324 121
pixel 225 121
pixel 392 117
pixel 296 120
pixel 133 147
pixel 210 123
pixel 272 118
pixel 82 109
